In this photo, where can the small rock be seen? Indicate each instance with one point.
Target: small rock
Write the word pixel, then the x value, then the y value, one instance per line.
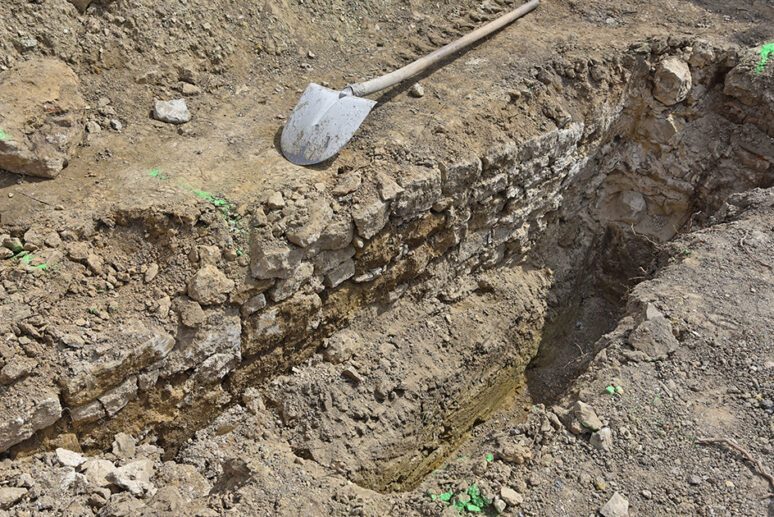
pixel 124 446
pixel 92 127
pixel 116 124
pixel 351 373
pixel 586 416
pixel 209 286
pixel 388 187
pixel 134 477
pixel 28 43
pixel 95 263
pixel 69 458
pixel 209 255
pixel 651 312
pixel 370 216
pixel 173 112
pixel 515 453
pixel 348 183
pixel 97 471
pixel 602 439
pixel 307 230
pixel 189 89
pixel 617 506
pixel 511 496
pixel 417 90
pixel 78 251
pixel 647 494
pixel 694 480
pixel 165 303
pixel 253 305
pixel 479 468
pixel 19 366
pixel 9 496
pixel 191 314
pixel 14 244
pixel 25 480
pixel 599 483
pixel 151 273
pixel 276 201
pixel 52 240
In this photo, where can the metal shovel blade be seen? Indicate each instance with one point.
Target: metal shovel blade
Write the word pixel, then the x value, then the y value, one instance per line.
pixel 321 124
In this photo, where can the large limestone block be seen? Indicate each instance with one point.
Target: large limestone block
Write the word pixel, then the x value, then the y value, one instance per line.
pixel 41 117
pixel 672 81
pixel 25 408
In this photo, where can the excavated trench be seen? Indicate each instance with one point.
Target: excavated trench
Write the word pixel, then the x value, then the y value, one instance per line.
pixel 659 168
pixel 471 285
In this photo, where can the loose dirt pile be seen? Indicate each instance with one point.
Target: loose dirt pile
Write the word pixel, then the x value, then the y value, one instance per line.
pixel 529 290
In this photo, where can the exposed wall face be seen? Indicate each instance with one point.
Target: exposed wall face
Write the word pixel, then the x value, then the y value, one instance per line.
pixel 677 129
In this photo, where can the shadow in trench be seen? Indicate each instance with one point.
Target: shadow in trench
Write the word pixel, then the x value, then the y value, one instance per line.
pixel 589 305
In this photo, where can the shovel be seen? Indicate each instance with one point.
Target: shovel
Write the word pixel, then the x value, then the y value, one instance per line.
pixel 324 120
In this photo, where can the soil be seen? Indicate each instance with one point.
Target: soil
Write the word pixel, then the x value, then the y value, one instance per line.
pixel 537 231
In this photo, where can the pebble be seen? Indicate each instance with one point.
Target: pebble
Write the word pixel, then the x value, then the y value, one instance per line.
pixel 116 124
pixel 124 446
pixel 602 439
pixel 586 416
pixel 417 90
pixel 209 286
pixel 276 201
pixel 151 273
pixel 511 496
pixel 617 506
pixel 647 494
pixel 190 89
pixel 69 458
pixel 173 112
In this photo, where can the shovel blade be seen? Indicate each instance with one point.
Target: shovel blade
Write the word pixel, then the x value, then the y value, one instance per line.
pixel 321 124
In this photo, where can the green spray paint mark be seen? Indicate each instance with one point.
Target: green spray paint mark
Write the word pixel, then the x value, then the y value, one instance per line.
pixel 221 204
pixel 4 135
pixel 26 257
pixel 490 457
pixel 766 52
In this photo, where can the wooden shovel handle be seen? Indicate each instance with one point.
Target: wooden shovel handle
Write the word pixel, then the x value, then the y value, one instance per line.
pixel 421 64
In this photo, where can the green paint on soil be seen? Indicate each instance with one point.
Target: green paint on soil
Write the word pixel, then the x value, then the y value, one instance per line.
pixel 766 51
pixel 221 204
pixel 490 457
pixel 4 135
pixel 26 257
